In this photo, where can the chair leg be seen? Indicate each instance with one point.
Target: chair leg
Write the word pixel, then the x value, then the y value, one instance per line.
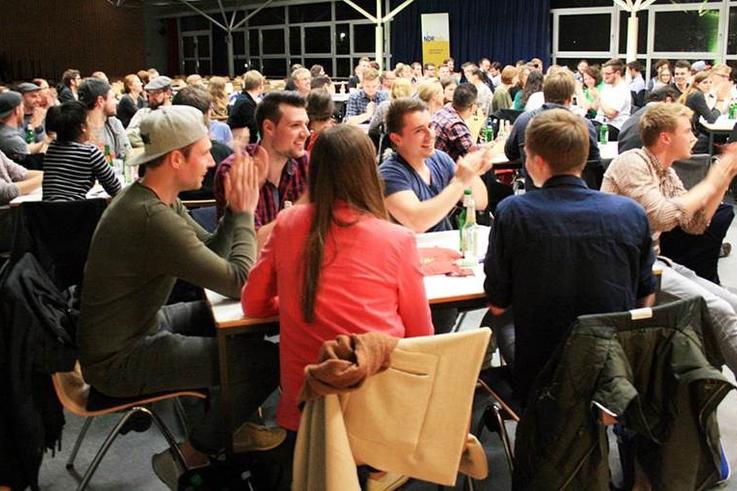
pixel 497 410
pixel 181 416
pixel 78 442
pixel 177 453
pixel 105 446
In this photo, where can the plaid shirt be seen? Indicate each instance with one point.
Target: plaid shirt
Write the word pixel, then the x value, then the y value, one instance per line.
pixel 452 134
pixel 292 183
pixel 357 102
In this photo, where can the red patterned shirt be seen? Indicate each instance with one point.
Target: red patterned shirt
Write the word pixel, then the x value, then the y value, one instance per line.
pixel 271 198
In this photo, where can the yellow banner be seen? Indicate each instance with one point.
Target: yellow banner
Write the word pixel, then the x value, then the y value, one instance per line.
pixel 435 51
pixel 435 38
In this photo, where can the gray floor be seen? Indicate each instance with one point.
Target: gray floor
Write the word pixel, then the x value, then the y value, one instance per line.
pixel 127 464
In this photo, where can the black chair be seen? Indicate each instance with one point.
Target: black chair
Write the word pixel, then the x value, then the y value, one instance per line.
pixel 58 235
pixel 504 406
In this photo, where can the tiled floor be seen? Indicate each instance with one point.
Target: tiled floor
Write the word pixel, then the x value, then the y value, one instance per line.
pixel 127 465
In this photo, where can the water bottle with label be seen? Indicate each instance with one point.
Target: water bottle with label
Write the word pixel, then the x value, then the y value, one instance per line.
pixel 604 134
pixel 469 229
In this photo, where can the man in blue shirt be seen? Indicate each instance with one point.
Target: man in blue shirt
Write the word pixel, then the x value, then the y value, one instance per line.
pixel 564 250
pixel 422 184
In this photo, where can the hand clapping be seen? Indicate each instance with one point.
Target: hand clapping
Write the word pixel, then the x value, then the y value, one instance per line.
pixel 242 184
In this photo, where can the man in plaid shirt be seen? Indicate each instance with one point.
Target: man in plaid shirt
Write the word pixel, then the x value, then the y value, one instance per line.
pixel 361 105
pixel 280 156
pixel 452 134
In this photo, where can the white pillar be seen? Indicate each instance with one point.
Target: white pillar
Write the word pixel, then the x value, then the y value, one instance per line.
pixel 380 45
pixel 379 35
pixel 632 37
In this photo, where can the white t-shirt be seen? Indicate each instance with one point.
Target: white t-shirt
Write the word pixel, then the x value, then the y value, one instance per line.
pixel 617 97
pixel 535 101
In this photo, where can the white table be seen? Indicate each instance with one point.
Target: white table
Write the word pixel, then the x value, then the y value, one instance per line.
pixel 440 289
pixel 722 126
pixel 97 191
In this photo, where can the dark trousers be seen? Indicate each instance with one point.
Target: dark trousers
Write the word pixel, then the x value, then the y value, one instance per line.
pixel 183 354
pixel 699 252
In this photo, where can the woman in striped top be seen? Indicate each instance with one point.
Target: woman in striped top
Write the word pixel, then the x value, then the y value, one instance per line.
pixel 70 166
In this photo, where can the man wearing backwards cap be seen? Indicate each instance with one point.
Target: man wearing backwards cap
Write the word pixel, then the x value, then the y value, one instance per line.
pixel 159 94
pixel 105 128
pixel 129 342
pixel 33 114
pixel 11 120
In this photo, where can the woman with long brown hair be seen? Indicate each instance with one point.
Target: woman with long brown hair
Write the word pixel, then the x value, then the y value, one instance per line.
pixel 336 265
pixel 705 104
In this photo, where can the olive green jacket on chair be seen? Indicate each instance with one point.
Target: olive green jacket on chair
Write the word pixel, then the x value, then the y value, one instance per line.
pixel 411 419
pixel 649 371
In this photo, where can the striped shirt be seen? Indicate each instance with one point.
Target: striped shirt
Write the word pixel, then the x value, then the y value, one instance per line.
pixel 638 174
pixel 70 170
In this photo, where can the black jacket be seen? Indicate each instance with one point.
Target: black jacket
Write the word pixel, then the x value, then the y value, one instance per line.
pixel 652 374
pixel 36 333
pixel 243 115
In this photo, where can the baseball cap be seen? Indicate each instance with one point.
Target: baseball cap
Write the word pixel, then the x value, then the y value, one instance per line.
pixel 27 87
pixel 169 128
pixel 10 100
pixel 90 89
pixel 698 66
pixel 160 82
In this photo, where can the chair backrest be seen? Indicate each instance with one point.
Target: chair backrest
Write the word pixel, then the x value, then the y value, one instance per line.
pixel 59 235
pixel 410 419
pixel 72 390
pixel 692 171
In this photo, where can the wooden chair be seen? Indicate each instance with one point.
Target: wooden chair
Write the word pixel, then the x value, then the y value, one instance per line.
pixel 81 399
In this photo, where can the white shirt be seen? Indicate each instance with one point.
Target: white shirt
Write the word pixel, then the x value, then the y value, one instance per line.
pixel 617 97
pixel 535 101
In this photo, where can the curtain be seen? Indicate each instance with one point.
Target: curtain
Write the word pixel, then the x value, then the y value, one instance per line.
pixel 503 30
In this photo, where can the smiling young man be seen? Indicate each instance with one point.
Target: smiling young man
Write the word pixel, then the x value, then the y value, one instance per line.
pixel 105 128
pixel 130 343
pixel 647 176
pixel 280 155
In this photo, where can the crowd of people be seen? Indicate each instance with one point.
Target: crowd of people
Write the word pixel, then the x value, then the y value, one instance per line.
pixel 312 228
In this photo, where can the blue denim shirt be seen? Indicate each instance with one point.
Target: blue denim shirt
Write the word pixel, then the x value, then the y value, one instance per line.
pixel 563 251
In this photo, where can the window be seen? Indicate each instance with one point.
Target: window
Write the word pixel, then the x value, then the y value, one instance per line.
pixel 239 43
pixel 584 32
pixel 273 41
pixel 641 31
pixel 274 67
pixel 194 23
pixel 295 40
pixel 364 38
pixel 343 67
pixel 253 42
pixel 313 12
pixel 268 16
pixel 732 32
pixel 687 31
pixel 343 39
pixel 317 39
pixel 343 11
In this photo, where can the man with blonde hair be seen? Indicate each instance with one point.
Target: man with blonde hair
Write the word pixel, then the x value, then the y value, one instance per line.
pixel 361 105
pixel 542 241
pixel 647 176
pixel 242 119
